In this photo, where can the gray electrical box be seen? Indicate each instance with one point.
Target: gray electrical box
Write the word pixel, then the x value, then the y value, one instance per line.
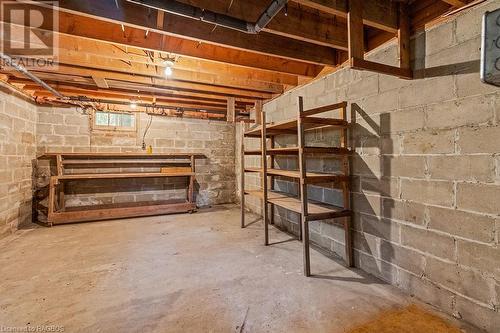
pixel 490 48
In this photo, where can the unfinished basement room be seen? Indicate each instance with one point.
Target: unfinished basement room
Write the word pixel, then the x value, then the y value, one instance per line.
pixel 250 166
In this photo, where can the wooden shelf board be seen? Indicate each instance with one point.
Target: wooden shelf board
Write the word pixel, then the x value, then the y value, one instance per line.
pixel 316 209
pixel 89 176
pixel 260 194
pixel 311 177
pixel 307 150
pixel 121 161
pixel 122 155
pixel 116 211
pixel 290 126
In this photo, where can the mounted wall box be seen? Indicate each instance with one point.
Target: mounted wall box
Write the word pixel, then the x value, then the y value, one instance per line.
pixel 490 48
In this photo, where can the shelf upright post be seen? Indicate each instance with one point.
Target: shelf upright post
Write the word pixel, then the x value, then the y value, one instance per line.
pixel 303 188
pixel 263 176
pixel 191 180
pixel 242 180
pixel 272 182
pixel 346 193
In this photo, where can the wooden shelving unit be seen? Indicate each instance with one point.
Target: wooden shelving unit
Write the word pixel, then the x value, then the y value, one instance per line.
pixel 166 165
pixel 309 210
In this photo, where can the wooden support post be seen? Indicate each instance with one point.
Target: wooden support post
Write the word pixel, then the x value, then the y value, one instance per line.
pixel 263 176
pixel 404 37
pixel 60 188
pixel 272 181
pixel 242 180
pixel 258 112
pixel 231 110
pixel 303 189
pixel 347 194
pixel 344 139
pixel 355 30
pixel 51 199
pixel 347 220
pixel 191 180
pixel 59 165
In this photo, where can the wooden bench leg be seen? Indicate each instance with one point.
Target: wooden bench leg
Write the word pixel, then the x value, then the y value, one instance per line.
pixel 51 200
pixel 348 242
pixel 305 244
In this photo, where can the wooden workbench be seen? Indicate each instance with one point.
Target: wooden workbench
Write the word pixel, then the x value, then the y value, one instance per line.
pixel 166 165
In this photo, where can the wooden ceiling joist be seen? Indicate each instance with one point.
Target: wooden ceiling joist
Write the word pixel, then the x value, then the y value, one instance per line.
pixel 380 14
pixel 84 75
pixel 82 90
pixel 456 3
pixel 92 49
pixel 100 82
pixel 140 16
pixel 297 23
pixel 101 30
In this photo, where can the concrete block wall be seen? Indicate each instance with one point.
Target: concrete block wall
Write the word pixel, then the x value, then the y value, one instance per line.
pixel 69 130
pixel 426 170
pixel 17 153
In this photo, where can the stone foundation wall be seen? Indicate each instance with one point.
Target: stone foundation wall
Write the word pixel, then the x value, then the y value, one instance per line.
pixel 17 153
pixel 426 170
pixel 69 130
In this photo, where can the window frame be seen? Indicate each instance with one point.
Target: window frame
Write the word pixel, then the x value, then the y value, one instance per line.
pixel 110 128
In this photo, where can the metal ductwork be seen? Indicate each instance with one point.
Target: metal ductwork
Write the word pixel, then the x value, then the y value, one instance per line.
pixel 21 69
pixel 196 13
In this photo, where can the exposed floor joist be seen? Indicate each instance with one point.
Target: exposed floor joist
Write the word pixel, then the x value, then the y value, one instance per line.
pixel 174 25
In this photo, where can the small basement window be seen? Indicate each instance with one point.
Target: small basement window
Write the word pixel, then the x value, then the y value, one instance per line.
pixel 114 121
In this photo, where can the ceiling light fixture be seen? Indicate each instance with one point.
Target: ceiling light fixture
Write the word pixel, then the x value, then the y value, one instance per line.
pixel 133 104
pixel 169 64
pixel 168 71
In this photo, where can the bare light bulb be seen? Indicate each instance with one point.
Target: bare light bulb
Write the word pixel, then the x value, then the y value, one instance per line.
pixel 133 105
pixel 168 71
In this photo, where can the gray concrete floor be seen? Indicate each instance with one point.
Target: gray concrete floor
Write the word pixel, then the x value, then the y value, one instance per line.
pixel 179 273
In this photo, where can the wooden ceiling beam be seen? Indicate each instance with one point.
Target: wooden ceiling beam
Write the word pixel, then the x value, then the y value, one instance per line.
pixel 380 14
pixel 76 49
pixel 297 23
pixel 100 82
pixel 140 16
pixel 84 75
pixel 156 81
pixel 83 89
pixel 119 66
pixel 456 3
pixel 125 99
pixel 128 97
pixel 98 30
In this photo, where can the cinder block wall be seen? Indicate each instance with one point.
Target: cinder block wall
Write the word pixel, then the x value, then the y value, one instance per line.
pixel 426 185
pixel 17 153
pixel 68 130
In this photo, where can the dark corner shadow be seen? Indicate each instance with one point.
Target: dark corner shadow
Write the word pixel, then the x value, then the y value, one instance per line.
pixel 375 134
pixel 467 67
pixel 360 131
pixel 363 279
pixel 421 71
